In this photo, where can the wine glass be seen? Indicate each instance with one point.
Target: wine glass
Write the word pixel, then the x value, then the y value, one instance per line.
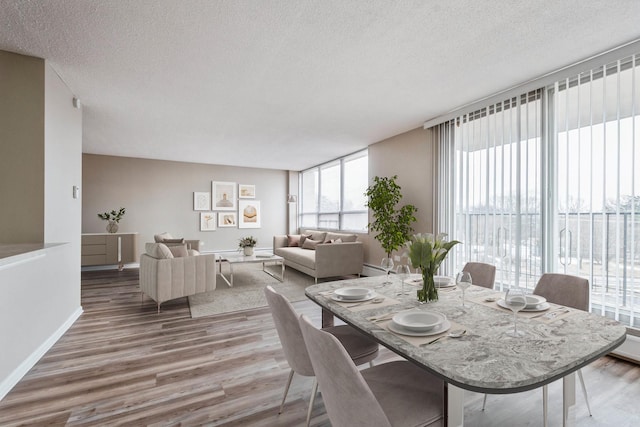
pixel 403 271
pixel 516 300
pixel 387 266
pixel 463 280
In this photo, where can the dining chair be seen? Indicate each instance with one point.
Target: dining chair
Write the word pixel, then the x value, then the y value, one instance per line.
pixel 396 393
pixel 360 348
pixel 481 274
pixel 570 291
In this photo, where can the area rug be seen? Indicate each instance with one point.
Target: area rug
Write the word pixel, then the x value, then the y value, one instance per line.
pixel 247 292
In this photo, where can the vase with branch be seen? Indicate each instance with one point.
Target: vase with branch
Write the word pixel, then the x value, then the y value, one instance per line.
pixel 113 219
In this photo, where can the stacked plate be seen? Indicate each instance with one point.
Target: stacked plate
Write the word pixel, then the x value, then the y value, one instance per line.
pixel 419 323
pixel 439 281
pixel 443 281
pixel 534 303
pixel 352 294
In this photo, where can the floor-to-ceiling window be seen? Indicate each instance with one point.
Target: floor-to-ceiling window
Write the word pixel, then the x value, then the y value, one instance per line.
pixel 333 194
pixel 496 174
pixel 596 206
pixel 545 182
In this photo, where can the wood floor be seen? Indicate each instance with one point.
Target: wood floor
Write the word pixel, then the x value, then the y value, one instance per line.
pixel 123 364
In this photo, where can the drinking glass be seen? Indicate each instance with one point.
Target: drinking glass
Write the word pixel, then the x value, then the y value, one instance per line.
pixel 387 266
pixel 516 300
pixel 403 271
pixel 463 280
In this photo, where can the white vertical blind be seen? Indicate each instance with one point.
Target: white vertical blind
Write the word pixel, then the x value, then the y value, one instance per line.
pixel 493 155
pixel 597 202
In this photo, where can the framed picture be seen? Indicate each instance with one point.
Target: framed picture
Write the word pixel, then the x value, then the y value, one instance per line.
pixel 201 201
pixel 207 221
pixel 246 191
pixel 249 214
pixel 227 219
pixel 224 196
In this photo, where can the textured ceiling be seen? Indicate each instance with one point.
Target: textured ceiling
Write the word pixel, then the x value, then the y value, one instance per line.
pixel 288 84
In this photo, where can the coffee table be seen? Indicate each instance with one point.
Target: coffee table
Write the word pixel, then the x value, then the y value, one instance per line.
pixel 263 257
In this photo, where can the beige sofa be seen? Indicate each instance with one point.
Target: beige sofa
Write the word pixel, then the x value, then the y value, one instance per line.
pixel 173 272
pixel 322 254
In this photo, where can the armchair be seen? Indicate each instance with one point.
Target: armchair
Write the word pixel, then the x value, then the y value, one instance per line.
pixel 164 276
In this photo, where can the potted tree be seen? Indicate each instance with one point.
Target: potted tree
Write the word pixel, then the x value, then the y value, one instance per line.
pixel 391 222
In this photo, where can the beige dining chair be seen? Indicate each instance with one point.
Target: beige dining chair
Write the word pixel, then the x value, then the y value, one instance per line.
pixel 360 348
pixel 395 394
pixel 482 274
pixel 570 291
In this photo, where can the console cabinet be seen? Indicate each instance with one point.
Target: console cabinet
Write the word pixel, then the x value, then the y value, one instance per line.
pixel 109 249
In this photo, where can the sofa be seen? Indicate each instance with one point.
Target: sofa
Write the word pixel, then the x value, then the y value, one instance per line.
pixel 169 272
pixel 321 254
pixel 169 240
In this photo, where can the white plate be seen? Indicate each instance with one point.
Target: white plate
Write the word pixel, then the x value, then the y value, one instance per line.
pixel 439 281
pixel 352 293
pixel 534 300
pixel 369 296
pixel 442 327
pixel 540 307
pixel 418 320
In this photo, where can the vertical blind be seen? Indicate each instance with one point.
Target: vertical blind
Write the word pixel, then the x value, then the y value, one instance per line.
pixel 546 182
pixel 597 129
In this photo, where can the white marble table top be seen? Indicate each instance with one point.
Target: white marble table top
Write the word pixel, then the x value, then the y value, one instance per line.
pixel 485 359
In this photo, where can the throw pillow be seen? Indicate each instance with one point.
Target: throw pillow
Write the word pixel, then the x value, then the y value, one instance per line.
pixel 173 241
pixel 338 240
pixel 159 238
pixel 158 251
pixel 294 239
pixel 304 237
pixel 310 244
pixel 179 250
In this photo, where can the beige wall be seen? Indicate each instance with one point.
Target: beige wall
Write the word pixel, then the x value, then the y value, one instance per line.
pixel 158 196
pixel 21 148
pixel 410 156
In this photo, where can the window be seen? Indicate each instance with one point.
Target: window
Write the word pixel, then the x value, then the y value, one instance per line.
pixel 545 182
pixel 332 194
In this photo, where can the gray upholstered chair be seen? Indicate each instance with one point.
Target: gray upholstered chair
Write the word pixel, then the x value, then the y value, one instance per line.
pixel 570 291
pixel 481 274
pixel 360 348
pixel 390 394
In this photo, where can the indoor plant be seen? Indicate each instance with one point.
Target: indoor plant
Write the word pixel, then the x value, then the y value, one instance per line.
pixel 247 244
pixel 427 252
pixel 114 218
pixel 392 224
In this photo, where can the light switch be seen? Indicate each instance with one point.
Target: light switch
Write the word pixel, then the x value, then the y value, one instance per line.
pixel 76 191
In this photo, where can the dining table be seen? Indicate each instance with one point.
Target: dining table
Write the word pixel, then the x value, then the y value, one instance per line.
pixel 556 341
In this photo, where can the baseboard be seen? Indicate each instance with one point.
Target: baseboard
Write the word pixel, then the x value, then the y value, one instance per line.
pixel 109 267
pixel 629 350
pixel 29 362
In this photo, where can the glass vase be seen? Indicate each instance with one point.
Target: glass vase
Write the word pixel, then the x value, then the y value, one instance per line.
pixel 112 227
pixel 429 292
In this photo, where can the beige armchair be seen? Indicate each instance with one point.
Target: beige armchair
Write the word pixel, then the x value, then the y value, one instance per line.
pixel 164 276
